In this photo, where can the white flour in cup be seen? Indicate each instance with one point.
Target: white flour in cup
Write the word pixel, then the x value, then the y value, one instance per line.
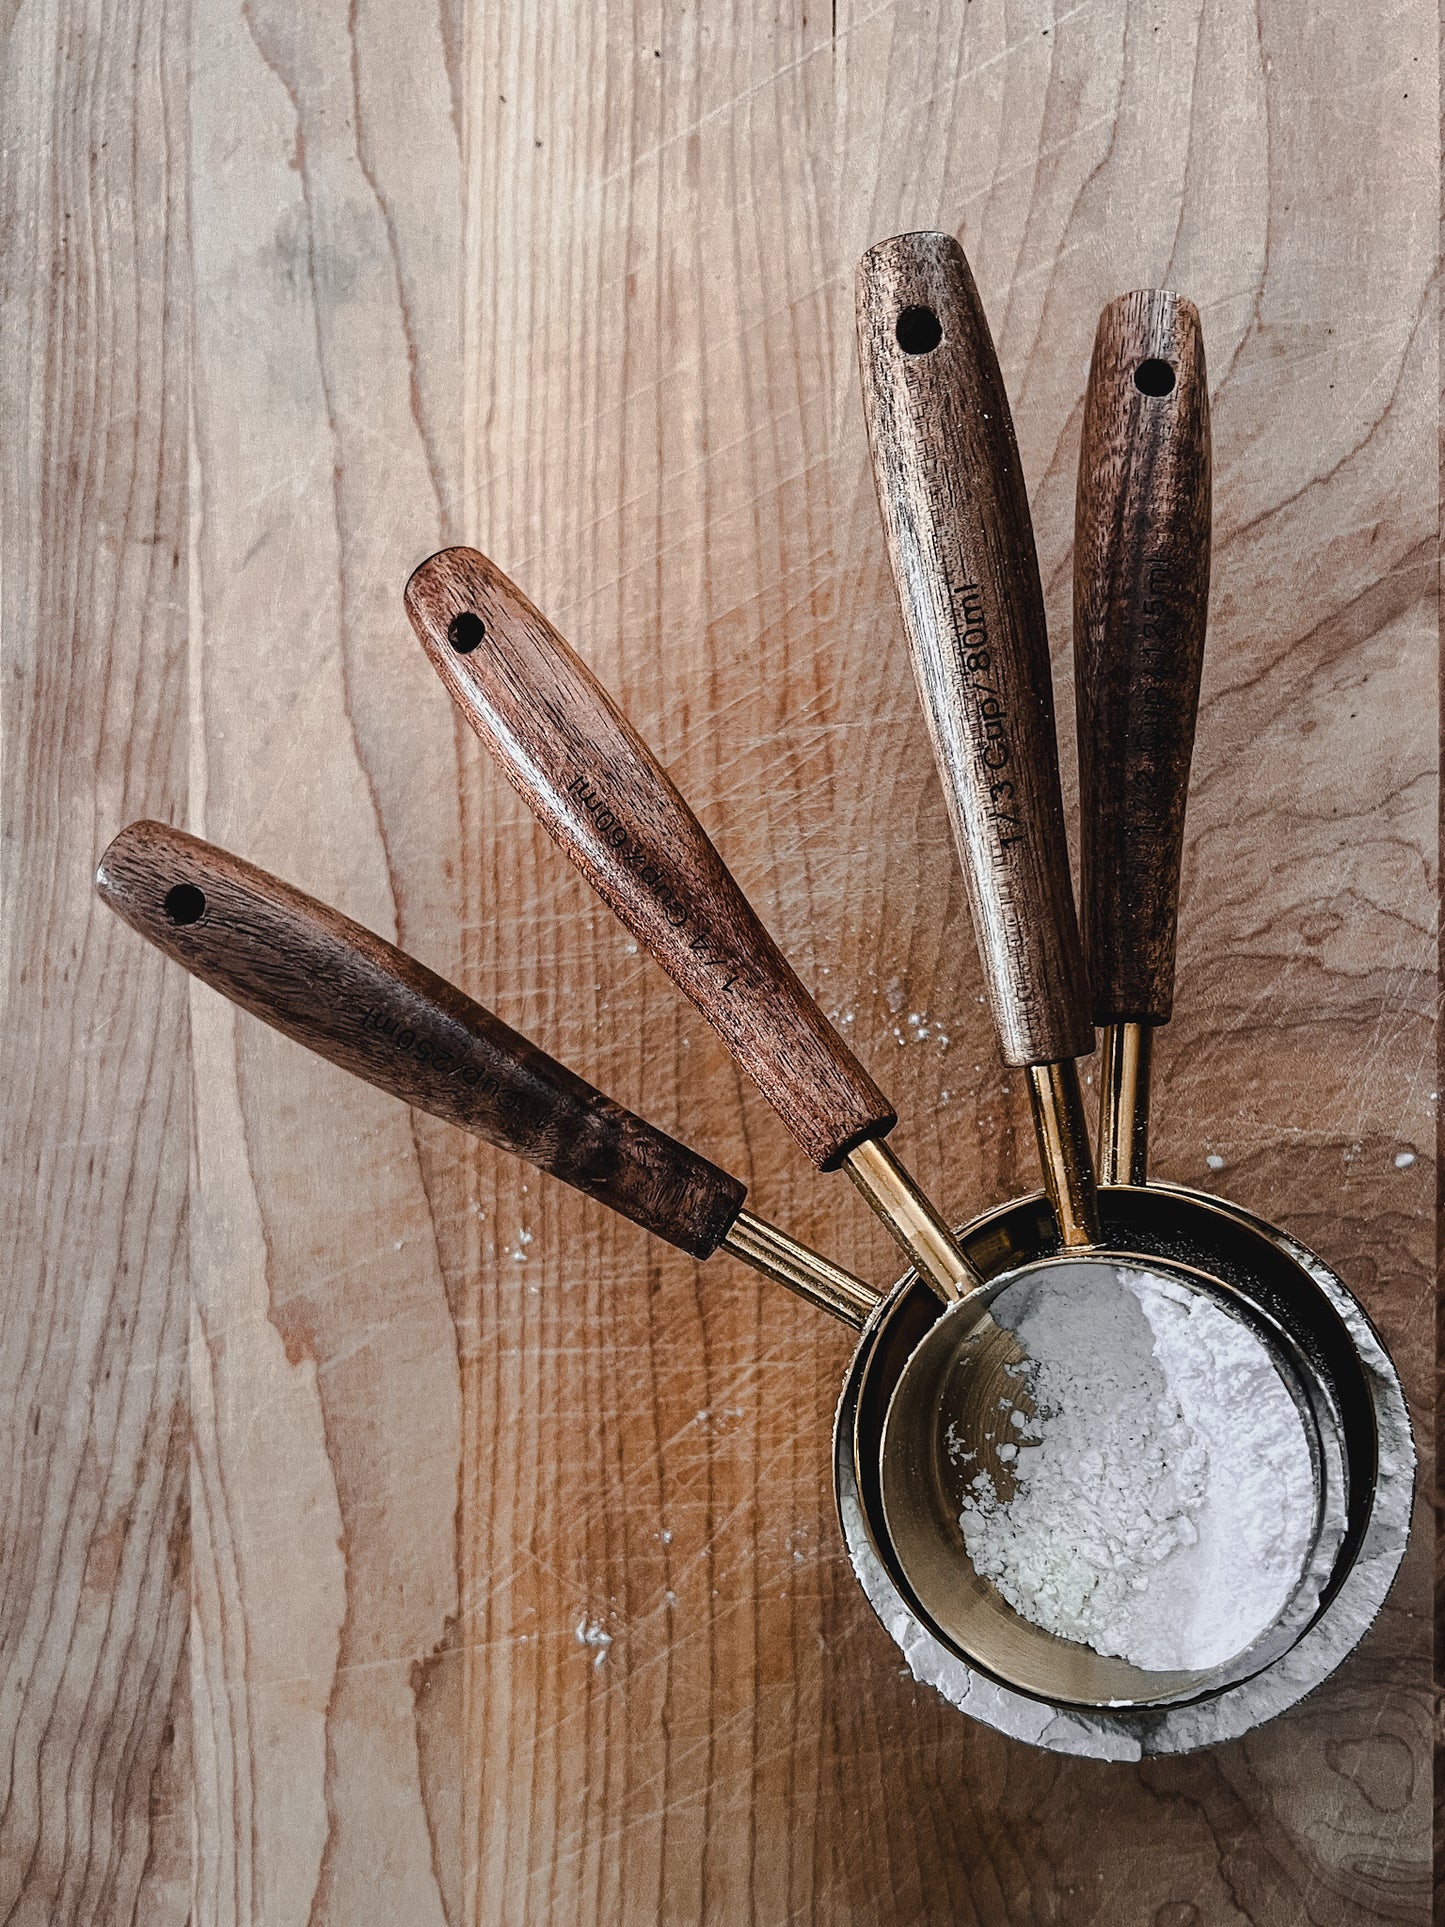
pixel 1165 1503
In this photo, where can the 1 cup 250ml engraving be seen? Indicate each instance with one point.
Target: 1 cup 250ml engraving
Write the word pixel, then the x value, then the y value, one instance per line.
pixel 608 826
pixel 412 1044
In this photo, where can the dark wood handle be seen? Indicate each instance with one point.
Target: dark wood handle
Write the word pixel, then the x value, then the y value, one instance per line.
pixel 951 492
pixel 617 814
pixel 365 1005
pixel 1141 598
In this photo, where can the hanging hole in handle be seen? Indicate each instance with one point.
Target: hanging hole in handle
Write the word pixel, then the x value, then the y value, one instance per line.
pixel 1154 377
pixel 185 903
pixel 919 331
pixel 465 631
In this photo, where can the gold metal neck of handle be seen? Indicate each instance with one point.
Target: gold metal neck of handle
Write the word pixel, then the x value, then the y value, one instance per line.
pixel 1127 1054
pixel 1068 1163
pixel 929 1243
pixel 801 1269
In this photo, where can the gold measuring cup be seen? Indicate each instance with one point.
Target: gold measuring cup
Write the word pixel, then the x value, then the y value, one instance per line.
pixel 962 550
pixel 362 1004
pixel 961 546
pixel 612 808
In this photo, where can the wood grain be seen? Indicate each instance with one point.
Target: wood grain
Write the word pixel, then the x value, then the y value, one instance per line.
pixel 961 542
pixel 326 1401
pixel 612 808
pixel 94 1056
pixel 1142 525
pixel 574 286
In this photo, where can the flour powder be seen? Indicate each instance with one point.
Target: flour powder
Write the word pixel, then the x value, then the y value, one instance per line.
pixel 1165 1503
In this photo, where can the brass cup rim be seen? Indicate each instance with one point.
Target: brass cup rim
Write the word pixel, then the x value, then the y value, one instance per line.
pixel 1365 1410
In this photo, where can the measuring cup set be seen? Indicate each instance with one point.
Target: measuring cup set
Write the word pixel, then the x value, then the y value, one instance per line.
pixel 931 1363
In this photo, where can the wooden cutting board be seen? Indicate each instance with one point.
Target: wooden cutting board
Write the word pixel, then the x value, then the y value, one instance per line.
pixel 390 1537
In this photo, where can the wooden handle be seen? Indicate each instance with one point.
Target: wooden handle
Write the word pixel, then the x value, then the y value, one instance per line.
pixel 961 543
pixel 365 1005
pixel 1141 598
pixel 617 814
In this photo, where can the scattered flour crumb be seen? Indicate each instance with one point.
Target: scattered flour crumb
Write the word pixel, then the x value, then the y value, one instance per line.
pixel 590 1632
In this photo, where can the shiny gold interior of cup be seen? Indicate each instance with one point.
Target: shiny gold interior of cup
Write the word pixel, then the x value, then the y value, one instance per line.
pixel 943 1428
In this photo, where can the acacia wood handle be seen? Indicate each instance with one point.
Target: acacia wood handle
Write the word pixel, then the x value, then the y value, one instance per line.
pixel 1141 599
pixel 616 813
pixel 956 517
pixel 363 1004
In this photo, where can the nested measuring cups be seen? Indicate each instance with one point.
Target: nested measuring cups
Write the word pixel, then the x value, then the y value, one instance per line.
pixel 960 541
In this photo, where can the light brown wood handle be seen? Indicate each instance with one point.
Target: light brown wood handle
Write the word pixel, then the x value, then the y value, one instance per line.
pixel 617 814
pixel 956 518
pixel 1141 600
pixel 363 1004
